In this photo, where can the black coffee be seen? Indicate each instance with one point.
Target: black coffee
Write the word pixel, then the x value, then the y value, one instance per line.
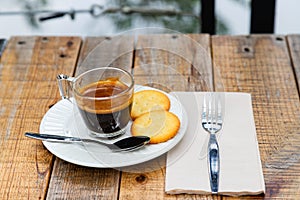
pixel 105 115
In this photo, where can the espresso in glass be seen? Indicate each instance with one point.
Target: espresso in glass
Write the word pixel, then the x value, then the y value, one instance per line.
pixel 104 98
pixel 105 107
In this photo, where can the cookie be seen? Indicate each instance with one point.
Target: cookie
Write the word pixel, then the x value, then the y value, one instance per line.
pixel 160 126
pixel 149 100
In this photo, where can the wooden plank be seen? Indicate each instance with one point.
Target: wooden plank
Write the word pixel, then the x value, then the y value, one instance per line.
pixel 261 65
pixel 294 47
pixel 173 62
pixel 28 88
pixel 161 56
pixel 106 52
pixel 69 181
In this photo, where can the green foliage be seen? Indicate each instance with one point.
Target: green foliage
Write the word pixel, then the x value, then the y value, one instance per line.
pixel 181 23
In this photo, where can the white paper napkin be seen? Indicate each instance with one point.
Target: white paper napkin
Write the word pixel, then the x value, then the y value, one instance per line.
pixel 240 164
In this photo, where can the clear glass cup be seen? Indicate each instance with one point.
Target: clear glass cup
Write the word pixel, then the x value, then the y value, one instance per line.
pixel 103 97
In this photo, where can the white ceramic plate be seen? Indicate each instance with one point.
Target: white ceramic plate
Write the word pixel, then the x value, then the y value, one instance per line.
pixel 64 119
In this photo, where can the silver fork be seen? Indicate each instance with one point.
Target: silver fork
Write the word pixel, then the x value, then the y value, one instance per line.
pixel 212 122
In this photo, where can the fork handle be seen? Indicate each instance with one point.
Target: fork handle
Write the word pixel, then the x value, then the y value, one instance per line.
pixel 214 163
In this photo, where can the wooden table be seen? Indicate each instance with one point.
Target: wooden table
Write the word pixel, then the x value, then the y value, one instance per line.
pixel 267 66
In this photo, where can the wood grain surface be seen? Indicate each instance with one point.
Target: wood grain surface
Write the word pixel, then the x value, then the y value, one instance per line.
pixel 174 62
pixel 29 67
pixel 267 66
pixel 106 52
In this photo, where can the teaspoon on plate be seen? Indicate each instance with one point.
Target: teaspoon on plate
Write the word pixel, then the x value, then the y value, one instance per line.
pixel 126 144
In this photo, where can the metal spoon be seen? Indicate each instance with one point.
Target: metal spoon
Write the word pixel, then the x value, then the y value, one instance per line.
pixel 126 144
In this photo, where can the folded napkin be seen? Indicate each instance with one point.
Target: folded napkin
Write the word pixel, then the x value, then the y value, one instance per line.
pixel 240 164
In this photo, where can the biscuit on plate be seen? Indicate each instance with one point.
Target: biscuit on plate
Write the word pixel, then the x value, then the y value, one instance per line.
pixel 149 100
pixel 159 125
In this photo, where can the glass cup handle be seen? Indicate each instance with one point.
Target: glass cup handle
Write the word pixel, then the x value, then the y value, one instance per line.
pixel 64 85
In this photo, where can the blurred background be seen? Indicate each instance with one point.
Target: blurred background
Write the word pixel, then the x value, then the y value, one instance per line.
pixel 104 17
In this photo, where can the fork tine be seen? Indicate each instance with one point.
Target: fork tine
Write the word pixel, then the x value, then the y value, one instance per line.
pixel 220 117
pixel 210 111
pixel 215 113
pixel 204 110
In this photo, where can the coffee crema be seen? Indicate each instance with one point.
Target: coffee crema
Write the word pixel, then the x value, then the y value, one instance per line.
pixel 105 106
